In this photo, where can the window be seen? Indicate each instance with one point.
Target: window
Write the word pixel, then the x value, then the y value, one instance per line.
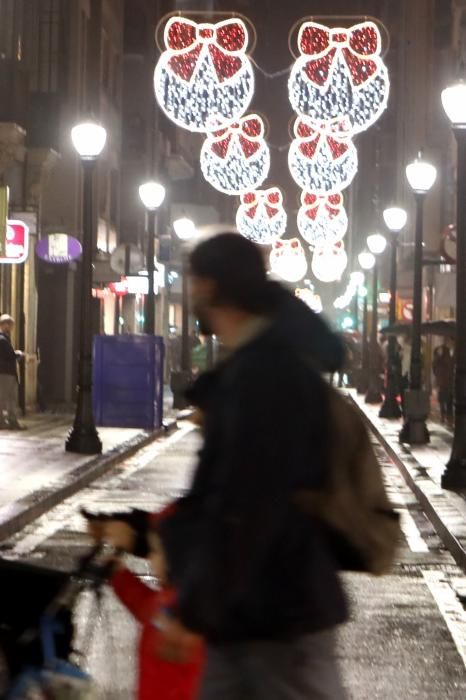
pixel 46 46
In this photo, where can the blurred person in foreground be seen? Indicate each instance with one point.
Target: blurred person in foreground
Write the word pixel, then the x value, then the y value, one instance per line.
pixel 255 575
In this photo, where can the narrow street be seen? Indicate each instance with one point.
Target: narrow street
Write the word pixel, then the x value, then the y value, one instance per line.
pixel 407 637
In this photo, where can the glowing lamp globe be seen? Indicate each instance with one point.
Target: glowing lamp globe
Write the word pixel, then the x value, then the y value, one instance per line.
pixel 421 175
pixel 152 194
pixel 454 103
pixel 366 260
pixel 184 228
pixel 376 243
pixel 89 139
pixel 395 219
pixel 357 279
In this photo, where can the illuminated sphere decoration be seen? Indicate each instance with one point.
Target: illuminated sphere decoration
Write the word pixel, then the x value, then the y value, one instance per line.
pixel 288 260
pixel 322 219
pixel 340 73
pixel 236 159
pixel 329 262
pixel 261 216
pixel 322 158
pixel 204 79
pixel 310 298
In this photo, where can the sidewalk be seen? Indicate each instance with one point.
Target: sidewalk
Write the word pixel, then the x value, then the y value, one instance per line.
pixel 36 473
pixel 422 467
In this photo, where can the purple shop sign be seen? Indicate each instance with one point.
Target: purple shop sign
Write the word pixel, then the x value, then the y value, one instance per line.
pixel 58 248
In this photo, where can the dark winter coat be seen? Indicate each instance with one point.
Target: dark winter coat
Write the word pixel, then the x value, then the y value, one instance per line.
pixel 247 562
pixel 7 355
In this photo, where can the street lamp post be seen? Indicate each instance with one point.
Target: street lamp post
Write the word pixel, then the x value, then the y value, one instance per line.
pixel 421 177
pixel 357 280
pixel 185 229
pixel 376 244
pixel 454 103
pixel 367 262
pixel 152 195
pixel 89 140
pixel 395 220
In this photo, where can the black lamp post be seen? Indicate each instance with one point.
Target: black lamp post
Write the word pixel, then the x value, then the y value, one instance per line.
pixel 395 220
pixel 185 229
pixel 454 103
pixel 89 140
pixel 376 244
pixel 152 195
pixel 421 176
pixel 367 262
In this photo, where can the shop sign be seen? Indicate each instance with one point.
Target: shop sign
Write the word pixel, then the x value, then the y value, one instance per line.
pixel 58 249
pixel 406 311
pixel 120 289
pixel 16 242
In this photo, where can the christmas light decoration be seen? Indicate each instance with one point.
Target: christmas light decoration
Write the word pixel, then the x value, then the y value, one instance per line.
pixel 322 219
pixel 329 262
pixel 261 216
pixel 354 286
pixel 288 260
pixel 204 79
pixel 322 157
pixel 310 297
pixel 236 159
pixel 340 73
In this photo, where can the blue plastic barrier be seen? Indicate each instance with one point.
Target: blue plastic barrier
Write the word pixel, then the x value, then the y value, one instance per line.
pixel 128 381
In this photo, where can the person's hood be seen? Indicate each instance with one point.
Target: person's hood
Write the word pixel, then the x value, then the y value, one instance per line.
pixel 306 331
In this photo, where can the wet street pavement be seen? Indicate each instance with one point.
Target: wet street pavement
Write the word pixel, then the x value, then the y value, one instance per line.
pixel 407 637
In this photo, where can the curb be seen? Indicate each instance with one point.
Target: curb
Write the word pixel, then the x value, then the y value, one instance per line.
pixel 433 512
pixel 16 516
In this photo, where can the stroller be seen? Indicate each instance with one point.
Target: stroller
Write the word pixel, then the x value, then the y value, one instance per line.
pixel 36 629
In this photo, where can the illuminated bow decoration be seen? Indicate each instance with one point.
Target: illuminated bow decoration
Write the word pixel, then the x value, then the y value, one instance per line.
pixel 360 46
pixel 225 41
pixel 336 132
pixel 290 244
pixel 271 200
pixel 249 131
pixel 333 204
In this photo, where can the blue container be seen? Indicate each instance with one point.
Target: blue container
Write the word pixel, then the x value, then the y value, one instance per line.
pixel 128 381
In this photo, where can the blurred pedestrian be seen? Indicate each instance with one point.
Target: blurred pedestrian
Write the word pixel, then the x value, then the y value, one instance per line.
pixel 8 376
pixel 443 369
pixel 405 361
pixel 255 575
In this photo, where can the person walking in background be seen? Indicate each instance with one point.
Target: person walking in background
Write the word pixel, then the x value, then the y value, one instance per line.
pixel 8 376
pixel 255 575
pixel 404 343
pixel 443 369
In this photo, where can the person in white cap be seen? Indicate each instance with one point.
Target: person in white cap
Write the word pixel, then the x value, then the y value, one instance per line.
pixel 8 376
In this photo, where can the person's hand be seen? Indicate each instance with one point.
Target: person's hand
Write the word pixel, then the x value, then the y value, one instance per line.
pixel 176 644
pixel 96 530
pixel 119 534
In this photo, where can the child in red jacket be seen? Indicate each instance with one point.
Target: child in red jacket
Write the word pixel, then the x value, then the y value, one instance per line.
pixel 170 657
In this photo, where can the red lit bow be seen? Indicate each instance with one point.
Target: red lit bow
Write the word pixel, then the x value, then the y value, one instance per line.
pixel 271 199
pixel 336 133
pixel 281 246
pixel 360 45
pixel 249 130
pixel 225 41
pixel 333 204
